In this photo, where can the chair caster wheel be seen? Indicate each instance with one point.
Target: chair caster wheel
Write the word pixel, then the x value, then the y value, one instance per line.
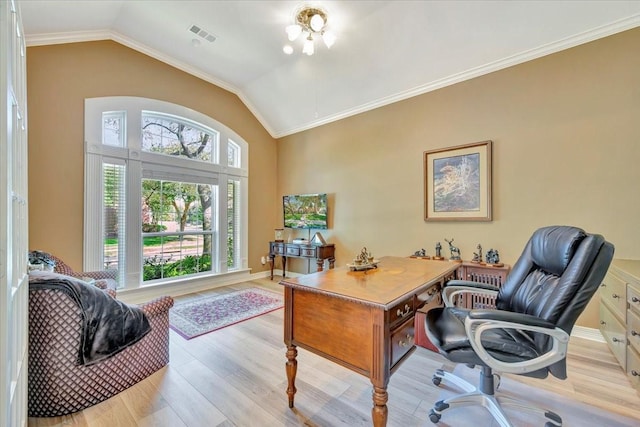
pixel 436 380
pixel 435 418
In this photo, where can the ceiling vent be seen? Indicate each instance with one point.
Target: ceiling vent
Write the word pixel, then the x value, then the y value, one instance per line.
pixel 202 33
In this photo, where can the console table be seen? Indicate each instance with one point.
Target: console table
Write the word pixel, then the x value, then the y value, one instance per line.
pixel 301 250
pixel 363 320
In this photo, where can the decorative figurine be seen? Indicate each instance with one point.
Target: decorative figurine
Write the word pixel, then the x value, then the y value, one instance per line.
pixel 421 253
pixel 363 261
pixel 493 258
pixel 438 255
pixel 477 256
pixel 455 251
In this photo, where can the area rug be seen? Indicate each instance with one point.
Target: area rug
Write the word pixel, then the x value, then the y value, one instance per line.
pixel 203 315
pixel 573 412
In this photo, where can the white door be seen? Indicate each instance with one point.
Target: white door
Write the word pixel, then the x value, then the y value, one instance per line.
pixel 14 286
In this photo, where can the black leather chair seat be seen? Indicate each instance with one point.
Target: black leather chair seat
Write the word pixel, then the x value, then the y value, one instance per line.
pixel 449 335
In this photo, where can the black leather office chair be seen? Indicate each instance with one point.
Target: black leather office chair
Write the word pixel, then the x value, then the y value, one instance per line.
pixel 528 331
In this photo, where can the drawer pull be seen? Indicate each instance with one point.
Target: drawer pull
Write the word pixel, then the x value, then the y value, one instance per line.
pixel 634 333
pixel 404 313
pixel 603 285
pixel 615 296
pixel 635 373
pixel 407 342
pixel 602 322
pixel 614 339
pixel 635 299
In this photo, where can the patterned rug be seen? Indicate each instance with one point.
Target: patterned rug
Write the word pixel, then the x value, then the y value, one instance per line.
pixel 197 317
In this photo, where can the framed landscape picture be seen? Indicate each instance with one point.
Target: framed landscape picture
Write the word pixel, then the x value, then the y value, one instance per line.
pixel 457 182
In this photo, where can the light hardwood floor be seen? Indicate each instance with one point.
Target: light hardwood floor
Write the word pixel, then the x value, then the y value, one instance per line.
pixel 236 377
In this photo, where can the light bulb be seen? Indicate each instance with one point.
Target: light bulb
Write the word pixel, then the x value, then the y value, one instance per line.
pixel 329 39
pixel 287 49
pixel 293 31
pixel 316 22
pixel 308 46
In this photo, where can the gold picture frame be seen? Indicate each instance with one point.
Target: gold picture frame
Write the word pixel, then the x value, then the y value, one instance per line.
pixel 457 183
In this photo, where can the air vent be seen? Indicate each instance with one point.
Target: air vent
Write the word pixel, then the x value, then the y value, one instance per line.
pixel 202 33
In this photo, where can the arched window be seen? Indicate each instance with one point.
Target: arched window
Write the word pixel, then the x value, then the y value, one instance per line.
pixel 159 204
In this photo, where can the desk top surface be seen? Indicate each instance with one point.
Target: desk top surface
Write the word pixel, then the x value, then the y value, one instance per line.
pixel 394 279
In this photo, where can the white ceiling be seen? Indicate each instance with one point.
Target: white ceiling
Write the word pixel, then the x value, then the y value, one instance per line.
pixel 386 50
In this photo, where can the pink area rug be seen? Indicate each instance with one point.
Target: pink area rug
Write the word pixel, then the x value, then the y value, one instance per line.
pixel 197 317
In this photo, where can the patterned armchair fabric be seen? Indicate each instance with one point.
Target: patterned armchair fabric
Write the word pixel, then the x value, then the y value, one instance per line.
pixel 58 384
pixel 104 279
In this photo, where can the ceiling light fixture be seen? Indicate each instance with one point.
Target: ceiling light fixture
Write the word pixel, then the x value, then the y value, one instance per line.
pixel 309 21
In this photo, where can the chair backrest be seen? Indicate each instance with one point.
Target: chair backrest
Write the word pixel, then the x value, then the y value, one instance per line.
pixel 558 272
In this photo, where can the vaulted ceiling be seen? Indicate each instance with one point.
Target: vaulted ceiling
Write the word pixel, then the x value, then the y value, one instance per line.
pixel 385 51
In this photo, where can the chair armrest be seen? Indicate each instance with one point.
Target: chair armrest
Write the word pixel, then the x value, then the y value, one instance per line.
pixel 160 305
pixel 509 316
pixel 480 321
pixel 455 288
pixel 101 274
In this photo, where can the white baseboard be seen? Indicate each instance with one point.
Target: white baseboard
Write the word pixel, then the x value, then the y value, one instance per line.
pixel 587 333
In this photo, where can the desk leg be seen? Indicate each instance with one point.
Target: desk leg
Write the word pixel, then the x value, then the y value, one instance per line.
pixel 292 368
pixel 272 261
pixel 332 262
pixel 284 266
pixel 320 264
pixel 379 411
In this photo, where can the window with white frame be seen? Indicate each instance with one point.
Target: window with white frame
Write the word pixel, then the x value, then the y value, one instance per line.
pixel 156 207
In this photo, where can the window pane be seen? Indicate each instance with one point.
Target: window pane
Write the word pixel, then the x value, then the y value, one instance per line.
pixel 233 154
pixel 233 221
pixel 176 228
pixel 113 128
pixel 173 137
pixel 113 177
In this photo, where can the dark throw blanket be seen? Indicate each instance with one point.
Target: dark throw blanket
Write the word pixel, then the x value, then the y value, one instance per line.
pixel 108 325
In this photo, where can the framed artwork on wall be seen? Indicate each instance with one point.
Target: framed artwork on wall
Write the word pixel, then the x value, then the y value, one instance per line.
pixel 457 183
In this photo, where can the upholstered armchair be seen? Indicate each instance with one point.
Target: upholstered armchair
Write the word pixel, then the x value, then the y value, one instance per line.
pixel 104 279
pixel 58 383
pixel 528 332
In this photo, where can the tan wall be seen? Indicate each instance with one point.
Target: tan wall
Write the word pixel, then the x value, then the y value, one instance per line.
pixel 60 77
pixel 566 150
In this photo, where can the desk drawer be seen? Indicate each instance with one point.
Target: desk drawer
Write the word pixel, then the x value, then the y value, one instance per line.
pixel 402 341
pixel 277 249
pixel 614 333
pixel 401 311
pixel 613 291
pixel 293 251
pixel 308 252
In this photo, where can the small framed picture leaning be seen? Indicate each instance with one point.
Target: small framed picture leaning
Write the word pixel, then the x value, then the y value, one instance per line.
pixel 457 183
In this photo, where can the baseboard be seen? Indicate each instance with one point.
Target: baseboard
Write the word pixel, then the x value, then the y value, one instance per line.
pixel 587 333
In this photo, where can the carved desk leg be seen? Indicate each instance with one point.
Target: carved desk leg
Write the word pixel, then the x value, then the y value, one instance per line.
pixel 272 261
pixel 292 368
pixel 320 264
pixel 379 411
pixel 332 262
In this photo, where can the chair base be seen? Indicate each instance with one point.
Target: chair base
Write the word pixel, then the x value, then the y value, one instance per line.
pixel 484 396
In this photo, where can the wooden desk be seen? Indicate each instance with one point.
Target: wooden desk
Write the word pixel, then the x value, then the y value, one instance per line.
pixel 301 250
pixel 363 320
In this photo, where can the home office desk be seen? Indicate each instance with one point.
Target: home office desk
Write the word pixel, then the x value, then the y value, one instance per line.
pixel 363 320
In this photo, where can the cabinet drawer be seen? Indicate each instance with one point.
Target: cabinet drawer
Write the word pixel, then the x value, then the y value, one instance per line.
pixel 401 311
pixel 278 249
pixel 633 367
pixel 308 252
pixel 613 291
pixel 614 333
pixel 402 341
pixel 633 298
pixel 293 251
pixel 633 328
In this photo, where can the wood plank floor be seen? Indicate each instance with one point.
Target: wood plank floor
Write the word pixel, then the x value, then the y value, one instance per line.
pixel 236 377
